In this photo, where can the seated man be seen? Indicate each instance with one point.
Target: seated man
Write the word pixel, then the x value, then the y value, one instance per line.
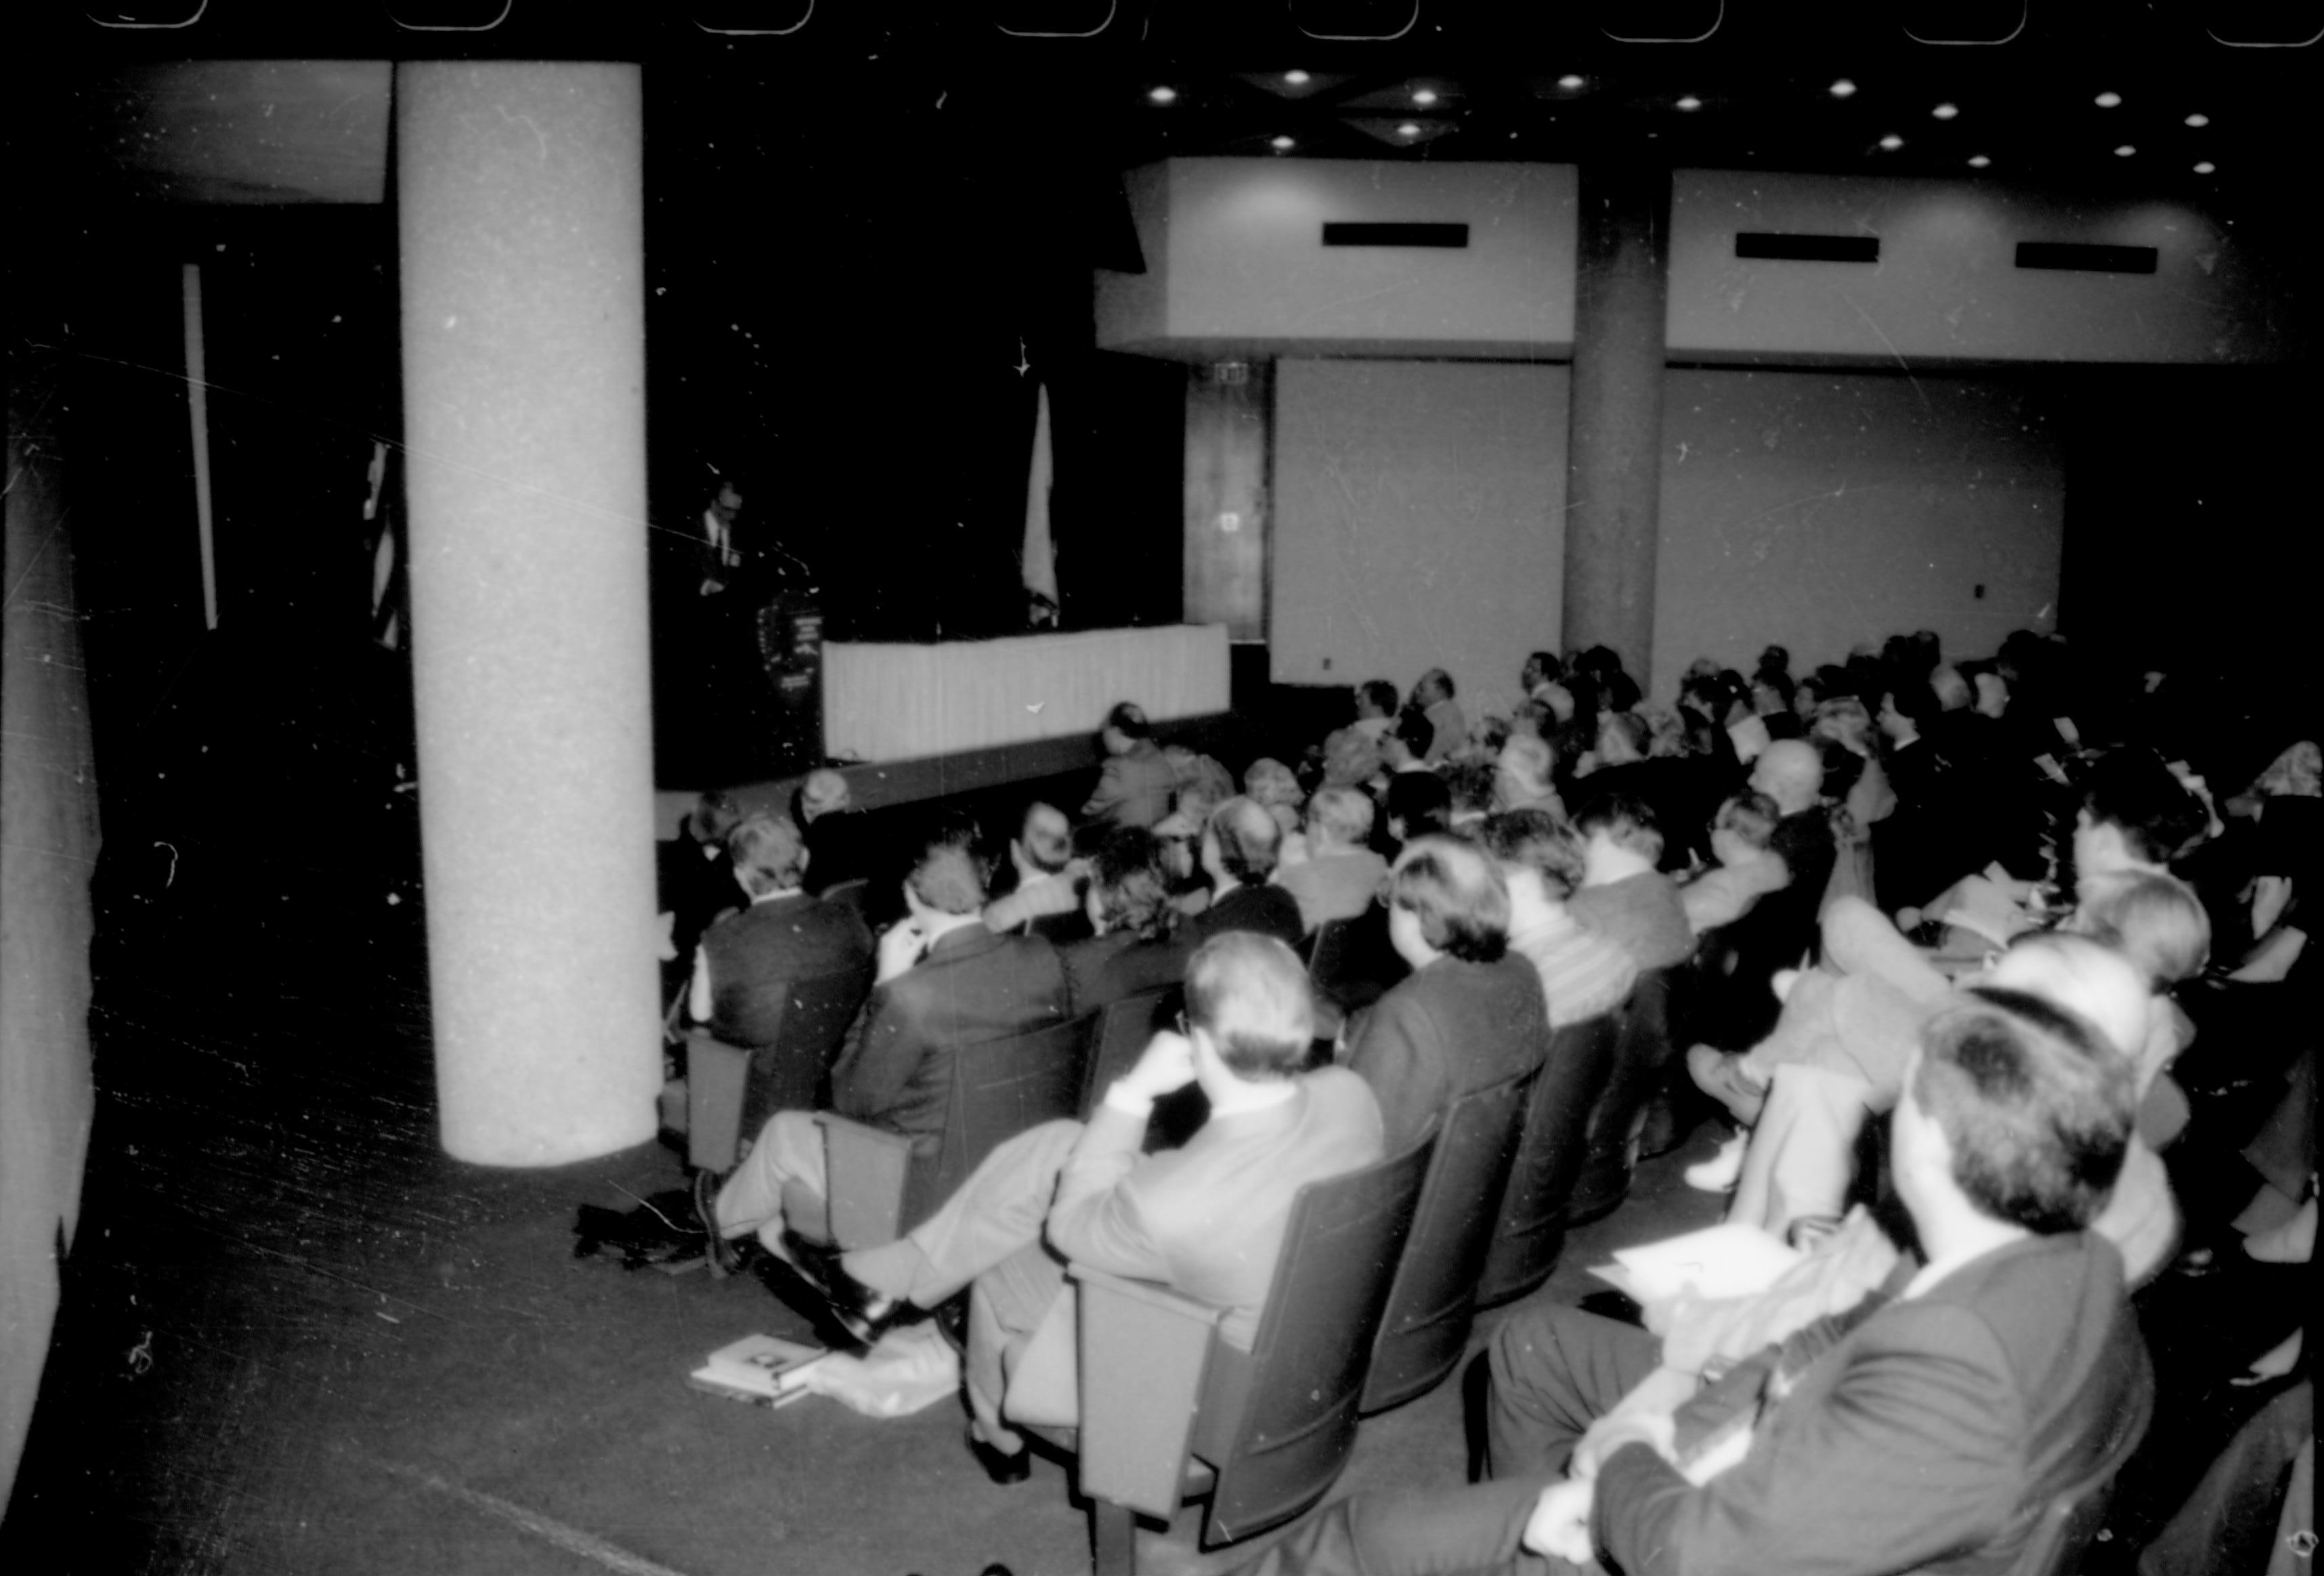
pixel 943 981
pixel 1134 789
pixel 1624 897
pixel 1582 973
pixel 1923 1428
pixel 1522 774
pixel 695 879
pixel 1470 1014
pixel 1128 904
pixel 749 961
pixel 1432 696
pixel 1341 877
pixel 1207 1219
pixel 1791 773
pixel 824 809
pixel 1049 877
pixel 1746 871
pixel 1351 755
pixel 1240 843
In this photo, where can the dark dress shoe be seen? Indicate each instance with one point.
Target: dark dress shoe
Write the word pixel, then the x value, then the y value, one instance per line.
pixel 1002 1467
pixel 865 1314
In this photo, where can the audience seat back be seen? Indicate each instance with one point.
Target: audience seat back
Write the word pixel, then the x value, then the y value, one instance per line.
pixel 732 1091
pixel 2064 1523
pixel 1354 965
pixel 1529 1232
pixel 1641 1059
pixel 1433 1301
pixel 1123 1029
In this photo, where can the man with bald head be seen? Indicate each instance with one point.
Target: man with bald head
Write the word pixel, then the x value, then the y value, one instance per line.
pixel 1048 876
pixel 1790 772
pixel 1241 844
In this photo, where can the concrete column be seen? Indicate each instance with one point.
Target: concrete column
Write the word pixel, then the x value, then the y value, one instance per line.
pixel 521 201
pixel 1614 449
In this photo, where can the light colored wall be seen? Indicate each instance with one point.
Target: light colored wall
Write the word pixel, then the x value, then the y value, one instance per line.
pixel 1947 285
pixel 1419 513
pixel 1817 510
pixel 1234 256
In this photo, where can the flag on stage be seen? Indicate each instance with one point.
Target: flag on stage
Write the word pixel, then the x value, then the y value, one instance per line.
pixel 1040 555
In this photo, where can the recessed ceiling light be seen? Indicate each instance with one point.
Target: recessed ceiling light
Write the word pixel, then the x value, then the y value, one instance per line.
pixel 1162 94
pixel 1297 79
pixel 1978 161
pixel 1571 83
pixel 1690 102
pixel 2198 121
pixel 2107 100
pixel 1424 96
pixel 2205 168
pixel 1946 111
pixel 1408 129
pixel 2125 151
pixel 1842 88
pixel 1282 145
pixel 1892 141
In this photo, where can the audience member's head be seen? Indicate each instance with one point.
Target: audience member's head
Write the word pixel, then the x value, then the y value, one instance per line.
pixel 1558 699
pixel 1418 803
pixel 1843 720
pixel 1272 783
pixel 1534 846
pixel 1241 842
pixel 1125 726
pixel 824 792
pixel 2136 813
pixel 768 854
pixel 1992 692
pixel 1045 838
pixel 1532 719
pixel 2092 979
pixel 1339 819
pixel 1472 785
pixel 1951 690
pixel 1521 773
pixel 1199 775
pixel 950 875
pixel 1376 697
pixel 1743 827
pixel 714 815
pixel 1665 732
pixel 1449 898
pixel 1771 692
pixel 1407 738
pixel 1790 772
pixel 1774 660
pixel 1247 994
pixel 1906 710
pixel 1621 821
pixel 1434 685
pixel 2033 1112
pixel 1540 668
pixel 1621 738
pixel 1127 890
pixel 2156 920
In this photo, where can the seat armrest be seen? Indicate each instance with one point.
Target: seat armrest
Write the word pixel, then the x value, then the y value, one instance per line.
pixel 864 1169
pixel 1145 1353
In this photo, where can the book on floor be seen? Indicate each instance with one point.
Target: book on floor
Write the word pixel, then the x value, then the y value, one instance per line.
pixel 762 1370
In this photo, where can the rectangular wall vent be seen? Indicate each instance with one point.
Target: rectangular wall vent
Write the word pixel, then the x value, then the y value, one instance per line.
pixel 1453 237
pixel 2087 258
pixel 1807 248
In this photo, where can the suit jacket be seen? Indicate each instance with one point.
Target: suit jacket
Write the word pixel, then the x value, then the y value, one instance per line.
pixel 1927 1440
pixel 1449 1028
pixel 1104 969
pixel 1135 788
pixel 755 956
pixel 1268 910
pixel 1208 1219
pixel 895 1071
pixel 696 887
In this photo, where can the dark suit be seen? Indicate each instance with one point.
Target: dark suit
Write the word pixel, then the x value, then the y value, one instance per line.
pixel 696 885
pixel 1268 910
pixel 756 955
pixel 974 986
pixel 1135 788
pixel 1103 968
pixel 1452 1028
pixel 1926 1440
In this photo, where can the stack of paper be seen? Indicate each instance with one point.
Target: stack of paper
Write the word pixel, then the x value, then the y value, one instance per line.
pixel 1732 1260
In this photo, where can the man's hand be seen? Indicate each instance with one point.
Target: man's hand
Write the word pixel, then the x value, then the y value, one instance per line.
pixel 1648 1424
pixel 1560 1526
pixel 1168 1064
pixel 899 948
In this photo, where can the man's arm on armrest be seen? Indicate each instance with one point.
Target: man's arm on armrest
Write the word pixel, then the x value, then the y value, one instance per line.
pixel 1095 1221
pixel 871 1069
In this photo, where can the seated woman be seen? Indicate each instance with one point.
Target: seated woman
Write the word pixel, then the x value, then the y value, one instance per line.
pixel 1746 872
pixel 1129 908
pixel 1341 876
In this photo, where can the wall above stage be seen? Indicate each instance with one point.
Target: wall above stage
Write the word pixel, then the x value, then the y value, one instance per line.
pixel 1238 266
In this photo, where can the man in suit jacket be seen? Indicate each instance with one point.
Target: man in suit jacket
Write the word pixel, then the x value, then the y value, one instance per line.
pixel 1240 843
pixel 749 961
pixel 1135 788
pixel 1206 1219
pixel 1470 1014
pixel 1928 1436
pixel 943 981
